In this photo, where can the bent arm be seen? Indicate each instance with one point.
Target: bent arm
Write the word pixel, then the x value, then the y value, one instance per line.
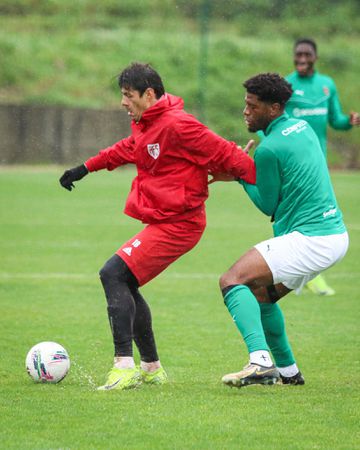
pixel 266 193
pixel 204 147
pixel 337 119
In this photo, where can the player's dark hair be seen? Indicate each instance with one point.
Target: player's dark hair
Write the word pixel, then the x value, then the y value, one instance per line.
pixel 306 41
pixel 139 77
pixel 269 87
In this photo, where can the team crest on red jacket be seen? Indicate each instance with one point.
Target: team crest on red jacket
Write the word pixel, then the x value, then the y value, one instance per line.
pixel 154 150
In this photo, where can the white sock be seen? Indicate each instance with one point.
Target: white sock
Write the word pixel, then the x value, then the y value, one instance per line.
pixel 289 371
pixel 261 357
pixel 150 366
pixel 124 362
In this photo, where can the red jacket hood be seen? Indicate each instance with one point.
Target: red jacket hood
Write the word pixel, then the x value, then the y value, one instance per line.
pixel 166 102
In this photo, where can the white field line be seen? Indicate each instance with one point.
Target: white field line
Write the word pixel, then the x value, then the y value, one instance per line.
pixel 352 227
pixel 84 276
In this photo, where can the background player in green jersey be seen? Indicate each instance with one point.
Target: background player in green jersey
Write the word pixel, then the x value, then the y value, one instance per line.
pixel 315 99
pixel 293 186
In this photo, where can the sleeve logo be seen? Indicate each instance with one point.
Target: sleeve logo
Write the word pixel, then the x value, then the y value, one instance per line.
pixel 331 212
pixel 154 150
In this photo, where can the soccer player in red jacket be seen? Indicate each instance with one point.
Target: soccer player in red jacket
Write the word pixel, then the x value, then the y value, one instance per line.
pixel 173 153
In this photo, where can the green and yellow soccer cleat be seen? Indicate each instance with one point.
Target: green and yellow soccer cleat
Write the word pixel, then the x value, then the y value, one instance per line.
pixel 159 376
pixel 121 379
pixel 319 286
pixel 252 374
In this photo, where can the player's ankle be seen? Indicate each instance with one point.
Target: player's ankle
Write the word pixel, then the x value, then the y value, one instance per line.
pixel 289 371
pixel 261 357
pixel 150 366
pixel 124 362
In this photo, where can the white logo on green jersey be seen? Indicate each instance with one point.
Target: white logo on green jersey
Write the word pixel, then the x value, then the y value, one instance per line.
pixel 300 112
pixel 298 127
pixel 330 213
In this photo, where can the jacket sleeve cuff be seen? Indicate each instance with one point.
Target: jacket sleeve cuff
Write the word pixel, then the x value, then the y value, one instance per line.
pixel 95 163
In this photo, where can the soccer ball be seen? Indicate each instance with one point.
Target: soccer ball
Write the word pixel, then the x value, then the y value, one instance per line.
pixel 47 362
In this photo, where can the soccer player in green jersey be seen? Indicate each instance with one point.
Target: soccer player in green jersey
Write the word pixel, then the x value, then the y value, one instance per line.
pixel 294 188
pixel 315 99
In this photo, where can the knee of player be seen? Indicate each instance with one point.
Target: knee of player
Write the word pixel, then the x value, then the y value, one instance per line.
pixel 105 274
pixel 226 280
pixel 116 271
pixel 110 271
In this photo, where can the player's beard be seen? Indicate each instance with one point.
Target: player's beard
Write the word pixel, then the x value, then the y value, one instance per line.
pixel 252 128
pixel 259 125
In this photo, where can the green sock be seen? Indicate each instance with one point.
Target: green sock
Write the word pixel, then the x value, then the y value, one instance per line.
pixel 245 311
pixel 274 327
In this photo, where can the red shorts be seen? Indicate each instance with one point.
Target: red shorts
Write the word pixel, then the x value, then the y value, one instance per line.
pixel 152 250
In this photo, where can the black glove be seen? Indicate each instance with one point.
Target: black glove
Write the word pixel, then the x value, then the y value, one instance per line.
pixel 71 175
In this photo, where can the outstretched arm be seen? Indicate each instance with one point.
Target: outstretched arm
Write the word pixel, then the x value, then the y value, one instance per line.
pixel 203 147
pixel 71 175
pixel 221 176
pixel 117 155
pixel 337 119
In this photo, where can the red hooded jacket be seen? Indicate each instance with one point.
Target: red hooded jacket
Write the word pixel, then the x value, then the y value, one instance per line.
pixel 173 153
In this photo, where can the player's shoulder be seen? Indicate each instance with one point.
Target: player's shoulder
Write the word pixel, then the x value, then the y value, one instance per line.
pixel 175 117
pixel 266 151
pixel 325 79
pixel 285 121
pixel 291 76
pixel 180 120
pixel 287 127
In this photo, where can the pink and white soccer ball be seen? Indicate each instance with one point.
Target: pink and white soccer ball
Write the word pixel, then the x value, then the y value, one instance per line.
pixel 47 362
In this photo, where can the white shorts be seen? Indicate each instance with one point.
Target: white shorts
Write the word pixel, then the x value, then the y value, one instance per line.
pixel 294 259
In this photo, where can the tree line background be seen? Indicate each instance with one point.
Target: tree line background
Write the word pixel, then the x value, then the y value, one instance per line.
pixel 61 52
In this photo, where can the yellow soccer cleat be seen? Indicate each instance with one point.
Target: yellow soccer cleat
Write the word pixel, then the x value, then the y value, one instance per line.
pixel 319 286
pixel 121 379
pixel 158 376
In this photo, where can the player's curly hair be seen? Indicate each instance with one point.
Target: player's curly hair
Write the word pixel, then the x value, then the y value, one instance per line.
pixel 269 88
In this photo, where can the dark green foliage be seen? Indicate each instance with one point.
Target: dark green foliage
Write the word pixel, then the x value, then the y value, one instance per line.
pixel 69 52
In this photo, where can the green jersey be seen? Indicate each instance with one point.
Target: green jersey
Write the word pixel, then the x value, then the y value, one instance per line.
pixel 292 181
pixel 315 99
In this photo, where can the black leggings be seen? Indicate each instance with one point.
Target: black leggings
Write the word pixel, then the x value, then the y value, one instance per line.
pixel 129 314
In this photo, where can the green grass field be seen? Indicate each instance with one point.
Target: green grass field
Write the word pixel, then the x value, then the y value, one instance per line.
pixel 52 245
